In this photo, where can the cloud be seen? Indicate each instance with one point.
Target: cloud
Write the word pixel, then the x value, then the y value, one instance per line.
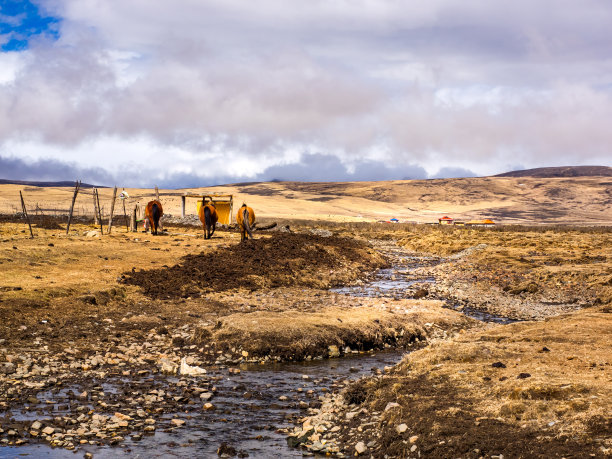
pixel 51 170
pixel 328 168
pixel 453 172
pixel 210 89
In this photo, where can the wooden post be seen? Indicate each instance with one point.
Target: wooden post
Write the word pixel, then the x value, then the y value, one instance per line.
pixel 183 198
pixel 77 185
pixel 127 223
pixel 93 194
pixel 134 224
pixel 25 212
pixel 156 193
pixel 99 212
pixel 110 218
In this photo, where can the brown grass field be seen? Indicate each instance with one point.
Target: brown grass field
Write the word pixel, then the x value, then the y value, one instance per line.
pixel 541 387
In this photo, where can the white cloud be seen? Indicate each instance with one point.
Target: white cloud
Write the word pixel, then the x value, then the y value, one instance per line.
pixel 234 88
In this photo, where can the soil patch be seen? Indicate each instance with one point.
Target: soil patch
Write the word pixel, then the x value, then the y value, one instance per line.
pixel 277 261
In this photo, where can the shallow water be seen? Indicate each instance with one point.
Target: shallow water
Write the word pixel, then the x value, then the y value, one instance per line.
pixel 246 422
pixel 400 282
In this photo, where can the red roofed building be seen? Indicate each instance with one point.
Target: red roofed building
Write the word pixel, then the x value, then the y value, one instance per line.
pixel 445 220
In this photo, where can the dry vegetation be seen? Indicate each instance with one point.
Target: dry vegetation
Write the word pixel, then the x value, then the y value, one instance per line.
pixel 530 389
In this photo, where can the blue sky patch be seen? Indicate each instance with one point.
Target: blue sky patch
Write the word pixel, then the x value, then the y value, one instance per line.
pixel 20 20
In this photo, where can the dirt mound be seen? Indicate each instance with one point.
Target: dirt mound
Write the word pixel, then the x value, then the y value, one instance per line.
pixel 277 261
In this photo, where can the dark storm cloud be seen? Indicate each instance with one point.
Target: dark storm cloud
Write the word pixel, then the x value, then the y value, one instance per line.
pixel 12 168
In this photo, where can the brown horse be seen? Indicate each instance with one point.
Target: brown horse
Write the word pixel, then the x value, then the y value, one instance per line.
pixel 154 212
pixel 245 219
pixel 208 217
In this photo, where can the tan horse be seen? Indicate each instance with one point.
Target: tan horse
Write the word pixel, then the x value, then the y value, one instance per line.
pixel 154 212
pixel 208 217
pixel 245 219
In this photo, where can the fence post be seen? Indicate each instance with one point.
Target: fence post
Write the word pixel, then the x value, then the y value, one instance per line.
pixel 77 185
pixel 99 212
pixel 93 195
pixel 110 218
pixel 23 207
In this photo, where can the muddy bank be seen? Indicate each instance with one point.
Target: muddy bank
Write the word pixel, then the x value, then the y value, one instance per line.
pixel 268 262
pixel 537 389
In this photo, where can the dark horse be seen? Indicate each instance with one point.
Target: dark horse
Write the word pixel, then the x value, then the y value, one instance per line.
pixel 245 219
pixel 154 212
pixel 208 217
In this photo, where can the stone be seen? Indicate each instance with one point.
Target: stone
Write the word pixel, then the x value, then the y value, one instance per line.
pixel 206 396
pixel 188 370
pixel 360 447
pixel 36 425
pixel 178 422
pixel 391 405
pixel 401 428
pixel 414 438
pixel 168 367
pixel 413 448
pixel 48 430
pixel 208 407
pixel 333 351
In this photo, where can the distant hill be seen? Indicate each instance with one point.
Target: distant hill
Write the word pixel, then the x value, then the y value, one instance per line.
pixel 568 171
pixel 46 184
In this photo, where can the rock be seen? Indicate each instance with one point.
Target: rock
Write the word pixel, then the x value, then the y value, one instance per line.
pixel 150 421
pixel 334 351
pixel 360 447
pixel 226 450
pixel 7 368
pixel 48 430
pixel 498 365
pixel 321 232
pixel 206 396
pixel 178 422
pixel 413 448
pixel 168 367
pixel 523 376
pixel 88 456
pixel 36 425
pixel 401 428
pixel 283 398
pixel 188 370
pixel 391 405
pixel 414 438
pixel 208 407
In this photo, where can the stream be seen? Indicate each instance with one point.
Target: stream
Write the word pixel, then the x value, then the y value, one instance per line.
pixel 252 407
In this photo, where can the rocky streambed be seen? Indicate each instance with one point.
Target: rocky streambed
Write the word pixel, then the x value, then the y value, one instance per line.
pixel 118 401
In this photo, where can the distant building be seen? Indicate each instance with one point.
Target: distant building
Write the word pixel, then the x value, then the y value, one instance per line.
pixel 445 220
pixel 486 222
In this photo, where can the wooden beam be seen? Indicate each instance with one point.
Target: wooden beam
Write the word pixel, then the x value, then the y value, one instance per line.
pixel 183 199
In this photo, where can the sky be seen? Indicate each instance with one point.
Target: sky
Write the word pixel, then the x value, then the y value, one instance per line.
pixel 203 92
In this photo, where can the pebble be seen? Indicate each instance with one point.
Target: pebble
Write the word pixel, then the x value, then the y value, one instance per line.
pixel 178 422
pixel 401 428
pixel 360 447
pixel 414 438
